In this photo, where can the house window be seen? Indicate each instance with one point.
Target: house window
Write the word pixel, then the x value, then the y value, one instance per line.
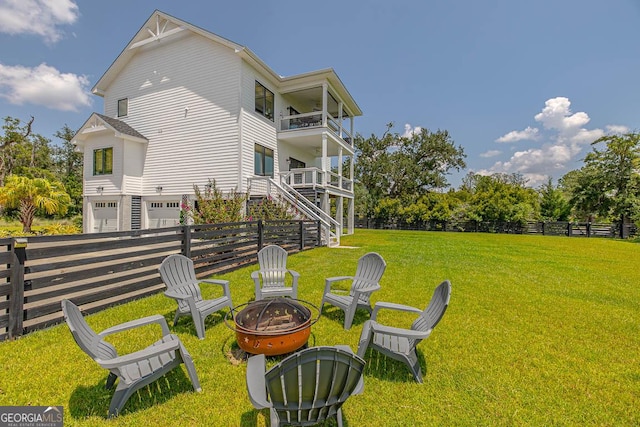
pixel 264 101
pixel 123 107
pixel 263 161
pixel 103 161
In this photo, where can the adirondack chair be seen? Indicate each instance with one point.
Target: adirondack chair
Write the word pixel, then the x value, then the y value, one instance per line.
pixel 398 343
pixel 371 266
pixel 269 281
pixel 135 370
pixel 179 275
pixel 307 387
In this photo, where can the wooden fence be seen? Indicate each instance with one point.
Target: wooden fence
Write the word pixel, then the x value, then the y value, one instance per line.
pixel 104 269
pixel 582 229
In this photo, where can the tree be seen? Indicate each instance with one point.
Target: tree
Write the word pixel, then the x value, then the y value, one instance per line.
pixel 608 185
pixel 500 197
pixel 68 165
pixel 553 204
pixel 405 167
pixel 31 194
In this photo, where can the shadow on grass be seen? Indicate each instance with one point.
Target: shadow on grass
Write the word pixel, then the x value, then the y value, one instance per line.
pixel 388 369
pixel 336 314
pixel 186 326
pixel 95 400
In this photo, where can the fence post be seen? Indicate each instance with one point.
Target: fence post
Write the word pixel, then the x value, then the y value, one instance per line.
pixel 588 229
pixel 569 229
pixel 260 231
pixel 16 303
pixel 186 241
pixel 301 235
pixel 319 237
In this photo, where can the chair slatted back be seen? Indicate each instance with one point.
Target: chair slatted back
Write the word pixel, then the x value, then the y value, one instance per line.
pixel 177 272
pixel 273 266
pixel 370 269
pixel 431 315
pixel 311 385
pixel 84 336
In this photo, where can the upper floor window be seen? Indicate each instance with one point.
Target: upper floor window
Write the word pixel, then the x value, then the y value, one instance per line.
pixel 263 161
pixel 103 161
pixel 123 107
pixel 264 101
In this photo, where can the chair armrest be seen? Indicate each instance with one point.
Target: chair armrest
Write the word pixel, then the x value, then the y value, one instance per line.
pixel 398 332
pixel 140 355
pixel 177 295
pixel 137 323
pixel 392 306
pixel 365 290
pixel 294 274
pixel 223 283
pixel 256 385
pixel 329 281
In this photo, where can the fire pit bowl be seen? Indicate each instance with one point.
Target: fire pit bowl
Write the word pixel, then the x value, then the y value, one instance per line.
pixel 272 326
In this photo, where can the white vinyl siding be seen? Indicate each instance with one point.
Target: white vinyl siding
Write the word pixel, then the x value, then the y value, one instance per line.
pixel 184 98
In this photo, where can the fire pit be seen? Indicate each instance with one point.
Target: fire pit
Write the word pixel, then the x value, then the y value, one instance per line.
pixel 272 326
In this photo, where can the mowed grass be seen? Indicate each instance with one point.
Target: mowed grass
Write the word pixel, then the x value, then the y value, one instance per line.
pixel 539 331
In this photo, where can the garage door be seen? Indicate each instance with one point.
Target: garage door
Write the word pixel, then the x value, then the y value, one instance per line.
pixel 105 216
pixel 163 214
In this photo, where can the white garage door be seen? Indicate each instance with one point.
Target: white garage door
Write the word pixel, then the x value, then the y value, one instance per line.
pixel 105 216
pixel 163 214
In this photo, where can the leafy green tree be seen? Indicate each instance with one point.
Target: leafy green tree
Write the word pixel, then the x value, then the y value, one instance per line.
pixel 24 153
pixel 500 197
pixel 608 185
pixel 405 168
pixel 213 206
pixel 68 165
pixel 30 194
pixel 553 204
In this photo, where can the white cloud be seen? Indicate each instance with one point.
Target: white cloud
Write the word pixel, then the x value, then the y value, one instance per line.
pixel 39 17
pixel 617 129
pixel 528 134
pixel 410 131
pixel 44 85
pixel 491 153
pixel 556 115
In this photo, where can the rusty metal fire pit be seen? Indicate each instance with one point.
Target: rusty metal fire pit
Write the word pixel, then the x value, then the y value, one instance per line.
pixel 272 326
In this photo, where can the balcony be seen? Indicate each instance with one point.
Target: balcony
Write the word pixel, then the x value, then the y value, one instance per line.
pixel 315 178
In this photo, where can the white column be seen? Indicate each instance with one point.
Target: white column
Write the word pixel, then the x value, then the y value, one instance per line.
pixel 339 212
pixel 325 89
pixel 350 215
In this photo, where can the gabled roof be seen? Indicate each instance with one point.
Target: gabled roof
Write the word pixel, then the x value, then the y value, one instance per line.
pixel 162 26
pixel 100 123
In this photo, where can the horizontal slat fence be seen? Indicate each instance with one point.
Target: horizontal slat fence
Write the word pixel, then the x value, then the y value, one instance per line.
pixel 104 269
pixel 560 228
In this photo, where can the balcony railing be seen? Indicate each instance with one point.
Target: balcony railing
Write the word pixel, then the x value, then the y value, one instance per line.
pixel 314 177
pixel 314 120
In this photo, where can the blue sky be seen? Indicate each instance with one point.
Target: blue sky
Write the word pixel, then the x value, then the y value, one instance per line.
pixel 523 87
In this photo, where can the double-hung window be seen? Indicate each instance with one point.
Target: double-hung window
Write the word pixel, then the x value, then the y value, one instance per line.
pixel 263 161
pixel 103 161
pixel 123 107
pixel 264 101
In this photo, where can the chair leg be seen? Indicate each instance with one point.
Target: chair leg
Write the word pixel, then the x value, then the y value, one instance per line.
pixel 414 364
pixel 118 401
pixel 199 322
pixel 349 314
pixel 191 369
pixel 275 421
pixel 111 380
pixel 175 319
pixel 339 417
pixel 365 338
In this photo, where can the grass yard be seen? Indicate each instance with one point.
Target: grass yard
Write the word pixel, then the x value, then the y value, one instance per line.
pixel 540 331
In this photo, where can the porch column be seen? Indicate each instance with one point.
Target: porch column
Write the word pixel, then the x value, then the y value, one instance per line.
pixel 340 159
pixel 326 166
pixel 340 104
pixel 339 211
pixel 325 90
pixel 350 215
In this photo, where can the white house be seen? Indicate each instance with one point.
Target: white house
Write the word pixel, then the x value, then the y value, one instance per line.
pixel 183 106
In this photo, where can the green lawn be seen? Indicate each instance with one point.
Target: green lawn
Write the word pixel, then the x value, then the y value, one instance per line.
pixel 540 331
